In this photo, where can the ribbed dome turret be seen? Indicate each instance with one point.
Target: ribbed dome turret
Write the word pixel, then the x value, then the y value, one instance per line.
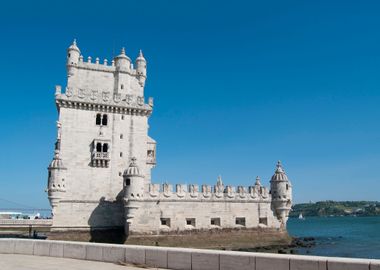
pixel 140 57
pixel 56 163
pixel 123 55
pixel 133 169
pixel 279 174
pixel 74 46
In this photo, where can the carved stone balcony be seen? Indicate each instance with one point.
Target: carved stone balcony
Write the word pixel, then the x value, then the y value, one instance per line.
pixel 151 160
pixel 100 159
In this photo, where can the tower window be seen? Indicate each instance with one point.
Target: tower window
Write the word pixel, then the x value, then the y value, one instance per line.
pixel 101 120
pixel 104 120
pixel 105 147
pixel 240 221
pixel 190 222
pixel 121 136
pixel 127 182
pixel 165 221
pixel 215 221
pixel 98 147
pixel 121 154
pixel 122 86
pixel 287 187
pixel 98 119
pixel 122 117
pixel 263 221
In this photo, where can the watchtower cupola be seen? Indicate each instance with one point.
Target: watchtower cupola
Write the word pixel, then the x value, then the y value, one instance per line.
pixel 122 61
pixel 141 68
pixel 133 181
pixel 73 54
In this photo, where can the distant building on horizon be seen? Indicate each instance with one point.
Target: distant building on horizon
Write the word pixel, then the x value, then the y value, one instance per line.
pixel 100 176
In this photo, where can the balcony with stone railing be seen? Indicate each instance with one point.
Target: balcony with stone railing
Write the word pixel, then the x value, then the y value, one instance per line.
pixel 100 159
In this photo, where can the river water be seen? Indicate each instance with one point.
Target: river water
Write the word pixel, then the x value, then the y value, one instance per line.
pixel 357 237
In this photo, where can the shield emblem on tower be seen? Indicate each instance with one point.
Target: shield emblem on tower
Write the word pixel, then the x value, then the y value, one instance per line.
pixel 106 96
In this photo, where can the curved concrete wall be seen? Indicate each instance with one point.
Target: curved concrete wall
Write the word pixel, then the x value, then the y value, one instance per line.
pixel 181 258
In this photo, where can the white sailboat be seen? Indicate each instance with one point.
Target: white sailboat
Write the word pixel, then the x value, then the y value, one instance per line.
pixel 301 217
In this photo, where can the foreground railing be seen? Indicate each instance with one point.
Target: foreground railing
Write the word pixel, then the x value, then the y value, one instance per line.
pixel 181 258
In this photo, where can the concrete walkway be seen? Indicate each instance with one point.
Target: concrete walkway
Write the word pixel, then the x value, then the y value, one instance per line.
pixel 29 262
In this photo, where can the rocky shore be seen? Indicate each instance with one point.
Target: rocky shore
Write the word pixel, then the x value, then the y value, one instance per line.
pixel 292 248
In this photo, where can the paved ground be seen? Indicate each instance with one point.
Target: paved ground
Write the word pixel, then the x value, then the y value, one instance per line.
pixel 29 262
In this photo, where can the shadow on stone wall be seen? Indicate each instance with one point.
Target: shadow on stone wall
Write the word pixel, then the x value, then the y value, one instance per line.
pixel 106 222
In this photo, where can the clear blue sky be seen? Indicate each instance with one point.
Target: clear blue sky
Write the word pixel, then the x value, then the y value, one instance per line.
pixel 237 86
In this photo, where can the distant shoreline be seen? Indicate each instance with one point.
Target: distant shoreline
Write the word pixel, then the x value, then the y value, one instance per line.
pixel 336 208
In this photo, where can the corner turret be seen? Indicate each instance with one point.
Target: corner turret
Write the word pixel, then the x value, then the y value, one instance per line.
pixel 141 68
pixel 122 61
pixel 56 179
pixel 73 54
pixel 133 191
pixel 281 190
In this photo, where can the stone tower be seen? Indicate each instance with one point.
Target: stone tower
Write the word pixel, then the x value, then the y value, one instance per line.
pixel 281 190
pixel 103 124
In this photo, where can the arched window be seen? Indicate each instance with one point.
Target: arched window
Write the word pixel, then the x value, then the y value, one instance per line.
pixel 105 147
pixel 104 120
pixel 98 119
pixel 98 147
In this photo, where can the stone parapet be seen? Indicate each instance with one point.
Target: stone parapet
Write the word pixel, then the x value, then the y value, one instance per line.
pixel 181 258
pixel 103 100
pixel 206 192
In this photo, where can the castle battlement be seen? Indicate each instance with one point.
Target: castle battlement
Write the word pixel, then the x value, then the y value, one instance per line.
pixel 103 100
pixel 207 192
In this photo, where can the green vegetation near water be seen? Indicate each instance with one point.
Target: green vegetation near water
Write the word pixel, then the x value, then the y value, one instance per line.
pixel 333 208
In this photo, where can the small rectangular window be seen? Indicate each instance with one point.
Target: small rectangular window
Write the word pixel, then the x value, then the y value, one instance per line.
pixel 190 222
pixel 165 221
pixel 121 154
pixel 122 117
pixel 215 221
pixel 121 136
pixel 240 221
pixel 263 221
pixel 127 182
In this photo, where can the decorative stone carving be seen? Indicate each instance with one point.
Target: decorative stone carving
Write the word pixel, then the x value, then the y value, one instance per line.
pixel 106 96
pixel 219 188
pixel 253 192
pixel 193 191
pixel 140 101
pixel 230 192
pixel 241 191
pixel 206 191
pixel 81 93
pixel 128 99
pixel 180 190
pixel 167 190
pixel 117 98
pixel 94 95
pixel 69 92
pixel 154 190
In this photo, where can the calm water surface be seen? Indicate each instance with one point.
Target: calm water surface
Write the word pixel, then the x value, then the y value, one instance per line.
pixel 339 236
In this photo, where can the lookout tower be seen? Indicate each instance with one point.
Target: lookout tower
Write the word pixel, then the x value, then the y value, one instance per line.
pixel 281 190
pixel 103 125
